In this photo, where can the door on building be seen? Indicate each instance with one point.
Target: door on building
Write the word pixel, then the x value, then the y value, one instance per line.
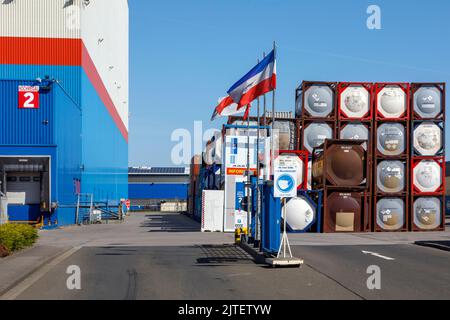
pixel 25 182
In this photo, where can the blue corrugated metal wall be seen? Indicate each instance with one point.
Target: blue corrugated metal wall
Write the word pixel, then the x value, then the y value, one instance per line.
pixel 105 150
pixel 67 136
pixel 158 191
pixel 60 139
pixel 21 126
pixel 69 76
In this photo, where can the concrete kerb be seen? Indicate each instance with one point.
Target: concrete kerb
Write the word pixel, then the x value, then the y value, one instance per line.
pixel 34 269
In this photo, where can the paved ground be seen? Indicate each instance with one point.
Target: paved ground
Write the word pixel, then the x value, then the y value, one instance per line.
pixel 163 256
pixel 407 271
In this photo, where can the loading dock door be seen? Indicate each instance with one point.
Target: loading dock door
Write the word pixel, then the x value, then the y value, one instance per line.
pixel 23 188
pixel 26 182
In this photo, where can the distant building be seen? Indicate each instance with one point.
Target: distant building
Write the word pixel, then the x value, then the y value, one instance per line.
pixel 158 188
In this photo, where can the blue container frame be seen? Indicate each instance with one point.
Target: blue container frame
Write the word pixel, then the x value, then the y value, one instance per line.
pixel 317 222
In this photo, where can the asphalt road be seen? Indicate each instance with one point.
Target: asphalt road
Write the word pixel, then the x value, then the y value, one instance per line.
pixel 199 272
pixel 212 270
pixel 414 273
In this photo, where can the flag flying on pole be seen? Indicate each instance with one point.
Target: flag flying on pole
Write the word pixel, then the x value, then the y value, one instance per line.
pixel 247 112
pixel 225 108
pixel 258 81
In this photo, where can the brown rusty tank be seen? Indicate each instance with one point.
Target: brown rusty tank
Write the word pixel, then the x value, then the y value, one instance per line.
pixel 340 163
pixel 343 212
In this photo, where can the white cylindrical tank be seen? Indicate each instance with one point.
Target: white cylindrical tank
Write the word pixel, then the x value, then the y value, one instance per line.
pixel 391 102
pixel 319 101
pixel 355 101
pixel 355 132
pixel 428 102
pixel 428 139
pixel 390 213
pixel 427 176
pixel 391 176
pixel 391 139
pixel 427 213
pixel 315 135
pixel 300 213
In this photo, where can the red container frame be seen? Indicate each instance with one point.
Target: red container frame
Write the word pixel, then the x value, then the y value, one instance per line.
pixel 416 86
pixel 304 157
pixel 304 87
pixel 341 87
pixel 414 228
pixel 405 198
pixel 380 86
pixel 442 188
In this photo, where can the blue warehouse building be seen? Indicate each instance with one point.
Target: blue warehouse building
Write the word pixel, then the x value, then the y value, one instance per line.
pixel 63 108
pixel 149 187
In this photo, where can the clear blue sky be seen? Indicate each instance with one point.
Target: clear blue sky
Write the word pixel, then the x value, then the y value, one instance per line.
pixel 184 54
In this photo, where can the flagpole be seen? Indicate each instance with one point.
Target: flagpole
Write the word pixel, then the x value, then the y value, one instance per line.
pixel 273 115
pixel 257 173
pixel 264 102
pixel 248 174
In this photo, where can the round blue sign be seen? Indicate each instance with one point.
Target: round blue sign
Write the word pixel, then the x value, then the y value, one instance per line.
pixel 285 183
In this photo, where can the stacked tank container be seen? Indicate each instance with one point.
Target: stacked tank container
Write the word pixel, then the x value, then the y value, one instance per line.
pixel 340 169
pixel 316 111
pixel 427 199
pixel 391 157
pixel 355 120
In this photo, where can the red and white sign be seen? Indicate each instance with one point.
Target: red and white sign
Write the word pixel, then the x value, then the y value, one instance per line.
pixel 128 204
pixel 28 97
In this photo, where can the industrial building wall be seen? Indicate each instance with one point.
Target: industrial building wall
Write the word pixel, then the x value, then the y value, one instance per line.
pixel 105 99
pixel 67 137
pixel 158 191
pixel 54 131
pixel 85 47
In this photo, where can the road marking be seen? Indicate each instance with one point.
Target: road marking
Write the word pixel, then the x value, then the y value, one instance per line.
pixel 378 255
pixel 33 278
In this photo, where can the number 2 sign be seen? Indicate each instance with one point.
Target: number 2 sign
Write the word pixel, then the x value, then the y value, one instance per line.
pixel 28 97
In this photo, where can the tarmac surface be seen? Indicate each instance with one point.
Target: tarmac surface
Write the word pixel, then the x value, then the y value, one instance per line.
pixel 164 256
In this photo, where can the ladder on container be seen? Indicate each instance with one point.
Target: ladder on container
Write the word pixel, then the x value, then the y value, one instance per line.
pixel 85 207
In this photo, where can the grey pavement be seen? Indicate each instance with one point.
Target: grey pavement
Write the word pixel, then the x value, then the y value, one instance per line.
pixel 139 229
pixel 413 273
pixel 164 256
pixel 179 273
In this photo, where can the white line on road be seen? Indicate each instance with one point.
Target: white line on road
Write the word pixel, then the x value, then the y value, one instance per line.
pixel 32 279
pixel 378 255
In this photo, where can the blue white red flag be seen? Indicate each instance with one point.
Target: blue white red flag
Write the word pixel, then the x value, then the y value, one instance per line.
pixel 225 108
pixel 258 81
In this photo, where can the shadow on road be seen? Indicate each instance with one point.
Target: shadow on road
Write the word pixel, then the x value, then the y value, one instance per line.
pixel 215 255
pixel 170 223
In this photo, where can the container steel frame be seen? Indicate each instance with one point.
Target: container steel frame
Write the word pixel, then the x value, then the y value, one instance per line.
pixel 300 94
pixel 322 149
pixel 416 158
pixel 416 86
